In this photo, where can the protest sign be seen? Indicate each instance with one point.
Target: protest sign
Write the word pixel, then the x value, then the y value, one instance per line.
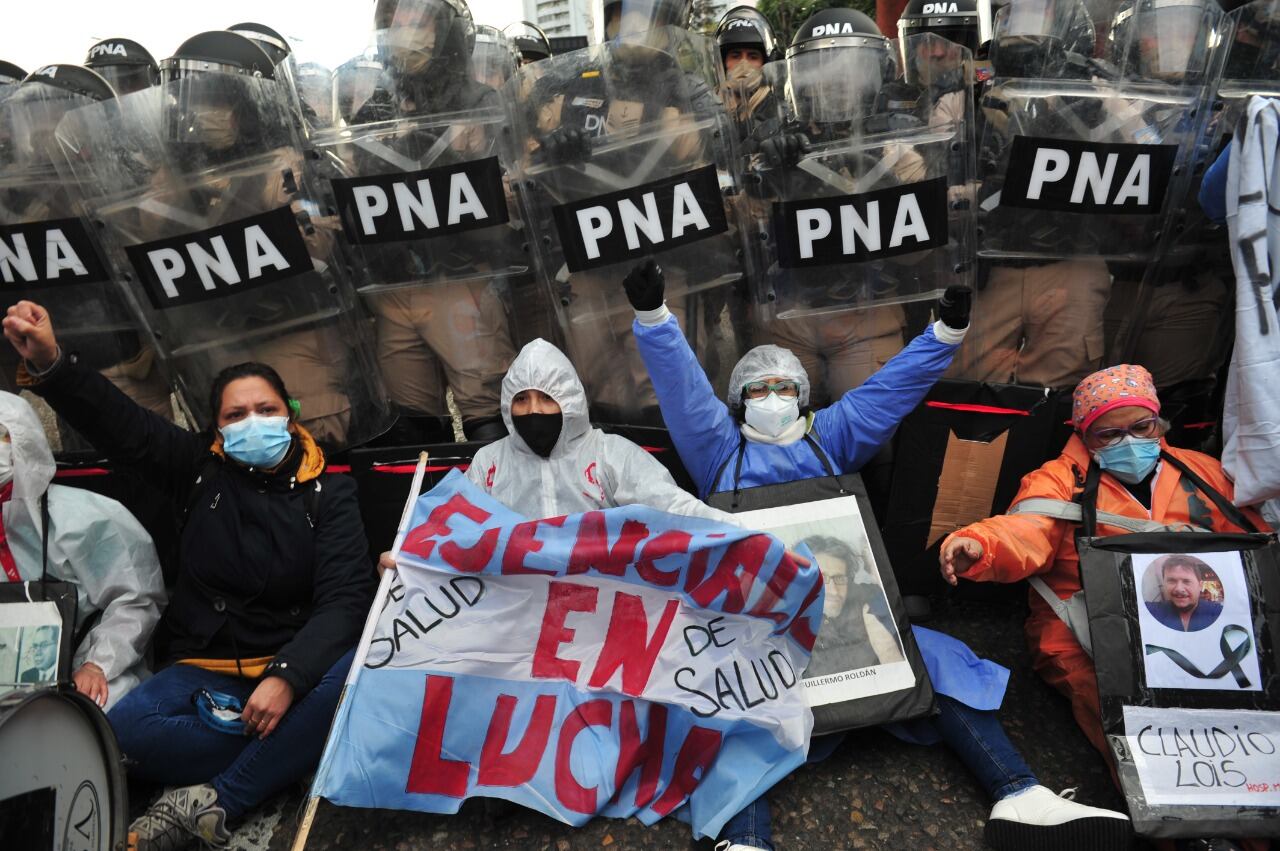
pixel 620 663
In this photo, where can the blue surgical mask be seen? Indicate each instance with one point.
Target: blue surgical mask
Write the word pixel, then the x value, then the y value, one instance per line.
pixel 1131 460
pixel 257 441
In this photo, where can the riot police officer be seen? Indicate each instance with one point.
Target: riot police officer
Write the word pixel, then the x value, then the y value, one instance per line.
pixel 439 302
pixel 746 41
pixel 123 63
pixel 354 83
pixel 494 58
pixel 315 89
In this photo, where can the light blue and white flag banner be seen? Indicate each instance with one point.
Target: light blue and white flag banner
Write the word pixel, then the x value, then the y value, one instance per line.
pixel 618 663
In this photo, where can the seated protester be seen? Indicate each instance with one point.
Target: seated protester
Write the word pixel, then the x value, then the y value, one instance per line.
pixel 94 543
pixel 553 462
pixel 273 587
pixel 1117 426
pixel 767 435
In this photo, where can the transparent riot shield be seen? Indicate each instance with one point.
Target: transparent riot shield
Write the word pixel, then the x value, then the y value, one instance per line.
pixel 623 155
pixel 1251 65
pixel 200 196
pixel 50 254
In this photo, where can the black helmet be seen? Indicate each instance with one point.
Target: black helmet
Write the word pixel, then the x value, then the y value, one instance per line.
pixel 10 74
pixel 530 41
pixel 1174 42
pixel 272 43
pixel 836 66
pixel 217 50
pixel 124 63
pixel 966 22
pixel 403 48
pixel 75 79
pixel 743 26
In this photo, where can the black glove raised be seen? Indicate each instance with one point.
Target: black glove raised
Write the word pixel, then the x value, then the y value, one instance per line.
pixel 954 307
pixel 784 149
pixel 567 145
pixel 645 286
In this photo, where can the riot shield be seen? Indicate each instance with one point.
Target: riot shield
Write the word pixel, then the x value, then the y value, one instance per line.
pixel 624 153
pixel 50 253
pixel 199 194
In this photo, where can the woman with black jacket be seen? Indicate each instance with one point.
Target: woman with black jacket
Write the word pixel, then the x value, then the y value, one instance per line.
pixel 273 587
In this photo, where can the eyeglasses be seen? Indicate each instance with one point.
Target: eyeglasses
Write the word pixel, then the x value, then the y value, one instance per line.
pixel 1144 429
pixel 838 582
pixel 760 389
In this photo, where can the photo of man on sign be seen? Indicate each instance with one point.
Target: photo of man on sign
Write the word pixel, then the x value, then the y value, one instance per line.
pixel 857 626
pixel 1186 589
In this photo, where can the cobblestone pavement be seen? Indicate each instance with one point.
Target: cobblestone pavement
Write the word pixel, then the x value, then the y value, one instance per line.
pixel 875 792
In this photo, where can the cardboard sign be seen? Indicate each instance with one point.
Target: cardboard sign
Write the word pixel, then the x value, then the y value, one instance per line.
pixel 859 228
pixel 34 255
pixel 619 663
pixel 221 261
pixel 1205 756
pixel 1087 177
pixel 422 204
pixel 640 221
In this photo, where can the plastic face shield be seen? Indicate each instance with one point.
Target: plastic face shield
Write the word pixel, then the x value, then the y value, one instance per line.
pixel 838 83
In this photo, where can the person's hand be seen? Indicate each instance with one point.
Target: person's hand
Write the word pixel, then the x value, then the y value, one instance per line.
pixel 266 706
pixel 957 556
pixel 784 149
pixel 385 563
pixel 30 330
pixel 954 307
pixel 91 682
pixel 567 145
pixel 645 285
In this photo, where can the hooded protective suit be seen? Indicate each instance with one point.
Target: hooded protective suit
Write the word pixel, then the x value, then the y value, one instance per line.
pixel 587 469
pixel 94 543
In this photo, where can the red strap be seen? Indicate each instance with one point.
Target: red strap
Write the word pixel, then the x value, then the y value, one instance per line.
pixel 6 556
pixel 978 409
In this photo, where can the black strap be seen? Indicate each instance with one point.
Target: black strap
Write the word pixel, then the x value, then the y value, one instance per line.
pixel 742 449
pixel 44 543
pixel 1234 514
pixel 1089 497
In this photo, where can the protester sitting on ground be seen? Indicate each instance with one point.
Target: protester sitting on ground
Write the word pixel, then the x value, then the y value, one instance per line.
pixel 273 588
pixel 93 542
pixel 1118 430
pixel 767 435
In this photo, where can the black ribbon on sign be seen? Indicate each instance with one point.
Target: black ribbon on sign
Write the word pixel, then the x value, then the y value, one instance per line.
pixel 1231 657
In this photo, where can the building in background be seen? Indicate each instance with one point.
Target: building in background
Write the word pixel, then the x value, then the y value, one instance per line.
pixel 559 17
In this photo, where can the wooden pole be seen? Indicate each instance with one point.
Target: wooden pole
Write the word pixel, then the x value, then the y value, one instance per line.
pixel 362 652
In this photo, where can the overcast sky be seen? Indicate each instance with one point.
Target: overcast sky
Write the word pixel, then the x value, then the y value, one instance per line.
pixel 325 31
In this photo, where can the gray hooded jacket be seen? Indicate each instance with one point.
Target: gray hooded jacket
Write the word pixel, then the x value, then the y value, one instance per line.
pixel 587 469
pixel 94 543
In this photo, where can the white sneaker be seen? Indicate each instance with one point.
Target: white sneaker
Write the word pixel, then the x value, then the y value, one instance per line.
pixel 725 846
pixel 1035 819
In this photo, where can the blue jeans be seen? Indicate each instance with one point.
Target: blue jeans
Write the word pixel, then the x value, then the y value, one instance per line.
pixel 167 743
pixel 975 736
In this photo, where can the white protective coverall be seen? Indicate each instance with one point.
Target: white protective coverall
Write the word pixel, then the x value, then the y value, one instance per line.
pixel 587 469
pixel 94 544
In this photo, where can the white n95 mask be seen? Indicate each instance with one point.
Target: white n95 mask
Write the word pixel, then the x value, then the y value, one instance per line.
pixel 772 414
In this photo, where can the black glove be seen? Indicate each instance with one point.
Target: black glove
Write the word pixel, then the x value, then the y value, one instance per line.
pixel 645 286
pixel 567 145
pixel 954 307
pixel 785 149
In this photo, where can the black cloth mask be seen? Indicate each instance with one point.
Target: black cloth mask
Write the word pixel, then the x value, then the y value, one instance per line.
pixel 539 431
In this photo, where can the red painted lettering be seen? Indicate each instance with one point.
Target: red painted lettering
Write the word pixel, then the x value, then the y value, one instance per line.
pixel 429 772
pixel 572 794
pixel 471 559
pixel 512 769
pixel 562 598
pixel 645 754
pixel 625 644
pixel 748 555
pixel 668 543
pixel 522 542
pixel 776 589
pixel 421 539
pixel 591 551
pixel 696 755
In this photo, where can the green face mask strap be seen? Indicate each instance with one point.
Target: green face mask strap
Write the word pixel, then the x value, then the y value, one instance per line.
pixel 295 406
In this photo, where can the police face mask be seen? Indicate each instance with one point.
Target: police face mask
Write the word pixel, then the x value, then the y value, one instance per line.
pixel 773 414
pixel 257 441
pixel 1131 460
pixel 539 431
